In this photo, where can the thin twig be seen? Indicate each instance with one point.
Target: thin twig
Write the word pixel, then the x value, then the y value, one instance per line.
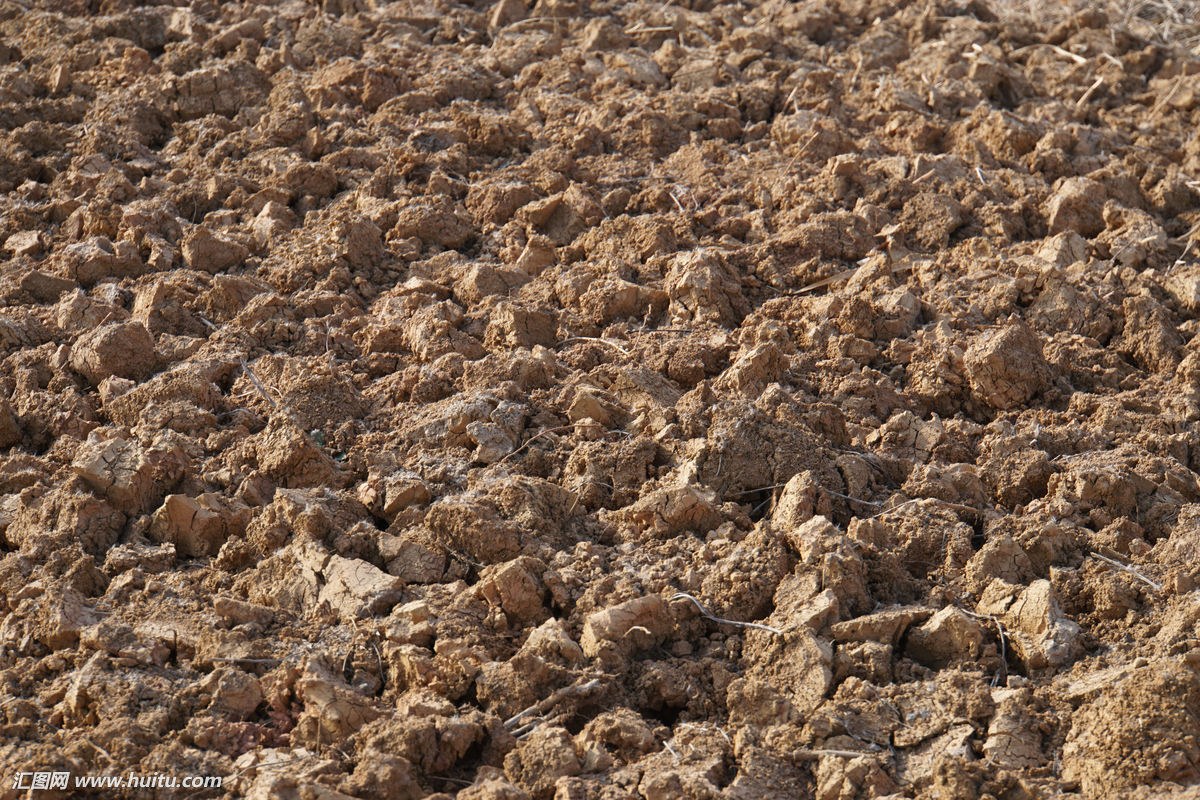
pixel 705 726
pixel 531 439
pixel 1078 59
pixel 542 705
pixel 526 21
pixel 664 330
pixel 597 339
pixel 1088 94
pixel 846 273
pixel 852 272
pixel 816 755
pixel 101 750
pixel 463 557
pixel 379 661
pixel 1002 675
pixel 855 499
pixel 704 613
pixel 257 383
pixel 759 489
pixel 1112 562
pixel 956 506
pixel 1167 97
pixel 791 94
pixel 827 491
pixel 800 152
pixel 528 727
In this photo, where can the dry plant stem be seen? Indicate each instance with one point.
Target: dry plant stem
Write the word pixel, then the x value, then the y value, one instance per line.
pixel 542 705
pixel 528 727
pixel 527 21
pixel 847 273
pixel 816 755
pixel 844 274
pixel 379 664
pixel 759 489
pixel 664 331
pixel 597 339
pixel 706 726
pixel 463 557
pixel 957 506
pixel 659 29
pixel 705 613
pixel 854 499
pixel 800 152
pixel 1002 676
pixel 1088 94
pixel 257 383
pixel 100 750
pixel 532 439
pixel 1078 59
pixel 1167 97
pixel 1112 562
pixel 791 95
pixel 846 497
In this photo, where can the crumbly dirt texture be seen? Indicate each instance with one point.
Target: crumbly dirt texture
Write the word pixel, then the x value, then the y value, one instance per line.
pixel 584 400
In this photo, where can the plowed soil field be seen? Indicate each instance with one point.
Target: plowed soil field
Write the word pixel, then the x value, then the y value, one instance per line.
pixel 589 400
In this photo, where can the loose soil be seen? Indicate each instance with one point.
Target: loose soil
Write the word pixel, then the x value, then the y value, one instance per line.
pixel 592 400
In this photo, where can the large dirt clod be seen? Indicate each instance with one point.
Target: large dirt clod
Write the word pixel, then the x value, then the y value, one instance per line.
pixel 1006 368
pixel 121 349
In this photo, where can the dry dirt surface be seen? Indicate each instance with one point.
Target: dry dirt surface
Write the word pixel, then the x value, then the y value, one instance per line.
pixel 594 400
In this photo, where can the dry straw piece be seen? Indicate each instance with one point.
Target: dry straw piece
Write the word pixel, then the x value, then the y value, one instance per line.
pixel 705 613
pixel 1171 23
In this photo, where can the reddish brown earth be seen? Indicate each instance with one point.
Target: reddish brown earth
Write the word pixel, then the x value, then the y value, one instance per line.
pixel 379 377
